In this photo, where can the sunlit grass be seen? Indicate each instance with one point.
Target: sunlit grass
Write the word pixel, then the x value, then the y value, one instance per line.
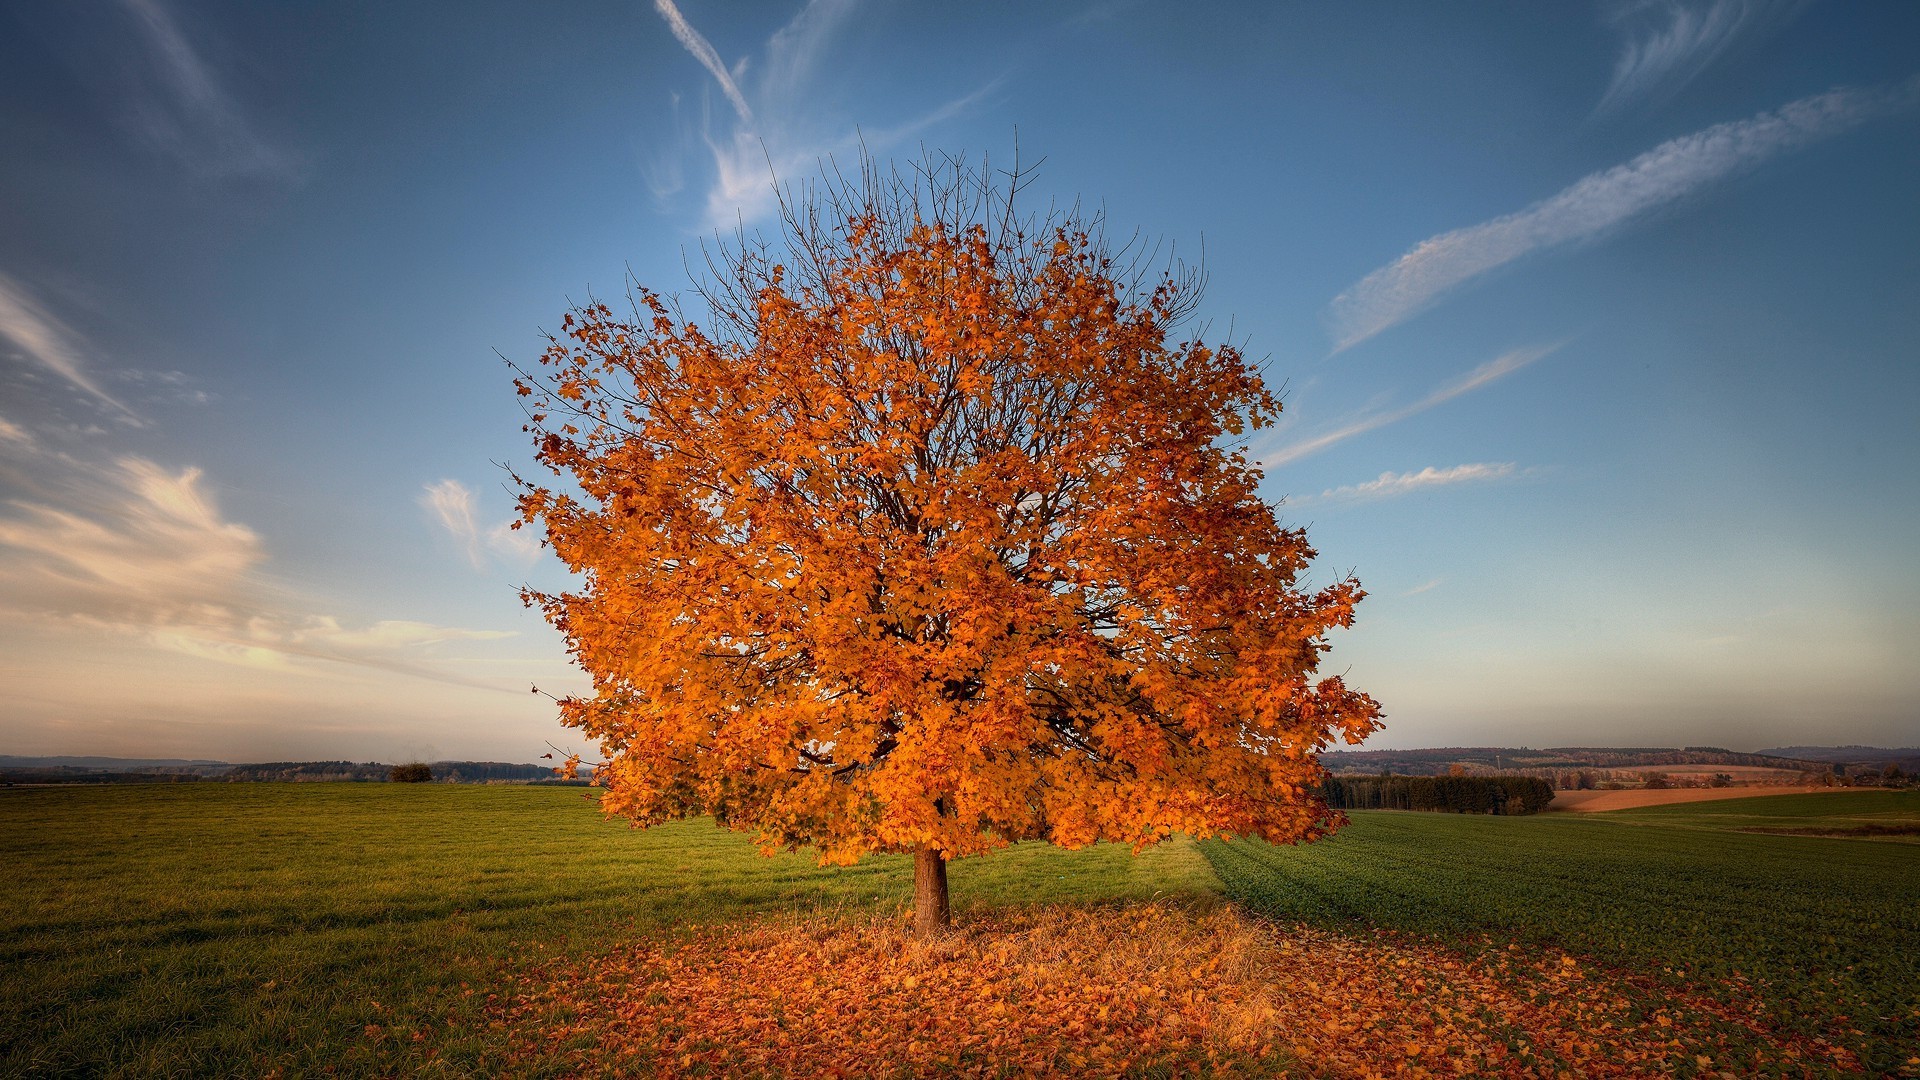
pixel 209 929
pixel 1825 930
pixel 225 929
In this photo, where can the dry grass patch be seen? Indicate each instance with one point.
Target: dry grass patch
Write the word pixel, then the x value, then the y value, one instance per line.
pixel 1140 990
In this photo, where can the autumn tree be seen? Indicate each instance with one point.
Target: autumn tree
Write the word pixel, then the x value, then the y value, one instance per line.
pixel 924 533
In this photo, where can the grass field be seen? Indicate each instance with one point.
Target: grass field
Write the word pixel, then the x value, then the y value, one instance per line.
pixel 1827 931
pixel 207 929
pixel 253 929
pixel 1603 800
pixel 1884 816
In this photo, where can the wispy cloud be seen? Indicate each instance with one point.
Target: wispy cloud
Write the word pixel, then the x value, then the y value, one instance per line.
pixel 1390 484
pixel 142 534
pixel 187 113
pixel 795 49
pixel 136 550
pixel 702 50
pixel 1598 202
pixel 1423 587
pixel 1499 367
pixel 49 343
pixel 776 134
pixel 1668 44
pixel 451 504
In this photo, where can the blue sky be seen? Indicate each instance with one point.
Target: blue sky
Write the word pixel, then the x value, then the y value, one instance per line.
pixel 1597 327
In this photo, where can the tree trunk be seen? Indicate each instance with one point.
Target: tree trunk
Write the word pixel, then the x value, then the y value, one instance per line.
pixel 930 912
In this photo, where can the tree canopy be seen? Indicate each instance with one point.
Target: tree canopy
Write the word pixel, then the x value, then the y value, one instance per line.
pixel 931 535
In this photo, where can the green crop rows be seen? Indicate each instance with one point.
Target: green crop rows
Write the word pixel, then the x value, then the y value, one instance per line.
pixel 1827 929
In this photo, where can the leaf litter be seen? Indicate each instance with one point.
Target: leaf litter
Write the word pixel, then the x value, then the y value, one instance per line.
pixel 1149 989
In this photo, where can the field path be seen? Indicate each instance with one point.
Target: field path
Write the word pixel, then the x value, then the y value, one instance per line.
pixel 1594 802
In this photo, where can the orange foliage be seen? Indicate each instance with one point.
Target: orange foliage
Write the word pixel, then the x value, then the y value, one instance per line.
pixel 932 539
pixel 1108 991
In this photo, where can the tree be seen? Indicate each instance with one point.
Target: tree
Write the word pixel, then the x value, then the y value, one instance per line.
pixel 412 773
pixel 929 539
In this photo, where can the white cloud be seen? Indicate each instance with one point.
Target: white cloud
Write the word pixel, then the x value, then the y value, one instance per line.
pixel 1498 367
pixel 775 134
pixel 521 545
pixel 1598 202
pixel 796 48
pixel 702 51
pixel 1425 587
pixel 12 432
pixel 140 540
pixel 1389 484
pixel 1668 44
pixel 48 342
pixel 187 113
pixel 451 503
pixel 135 550
pixel 390 634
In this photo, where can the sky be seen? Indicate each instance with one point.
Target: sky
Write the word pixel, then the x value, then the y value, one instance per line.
pixel 1598 329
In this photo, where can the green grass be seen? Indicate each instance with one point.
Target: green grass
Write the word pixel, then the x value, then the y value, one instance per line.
pixel 1828 930
pixel 214 929
pixel 234 929
pixel 1881 816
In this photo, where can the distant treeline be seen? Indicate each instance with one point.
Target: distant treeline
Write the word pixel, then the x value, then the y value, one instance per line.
pixel 454 772
pixel 480 772
pixel 1525 761
pixel 66 774
pixel 309 770
pixel 1447 794
pixel 451 772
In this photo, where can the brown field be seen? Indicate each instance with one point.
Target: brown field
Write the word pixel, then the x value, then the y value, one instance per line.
pixel 1593 802
pixel 1709 770
pixel 1763 774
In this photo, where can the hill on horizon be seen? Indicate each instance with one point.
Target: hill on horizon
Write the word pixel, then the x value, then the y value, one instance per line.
pixel 1429 761
pixel 79 769
pixel 1906 757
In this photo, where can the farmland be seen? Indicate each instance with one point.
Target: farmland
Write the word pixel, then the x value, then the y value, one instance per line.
pixel 1887 816
pixel 248 929
pixel 1824 930
pixel 1602 801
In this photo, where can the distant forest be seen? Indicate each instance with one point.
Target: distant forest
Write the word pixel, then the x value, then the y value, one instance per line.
pixel 1438 762
pixel 1447 794
pixel 1569 767
pixel 14 770
pixel 453 772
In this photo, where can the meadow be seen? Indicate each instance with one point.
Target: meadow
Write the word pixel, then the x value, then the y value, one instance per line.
pixel 207 929
pixel 353 929
pixel 1824 932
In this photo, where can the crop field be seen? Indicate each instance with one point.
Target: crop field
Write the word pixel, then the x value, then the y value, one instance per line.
pixel 1826 932
pixel 385 929
pixel 1886 816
